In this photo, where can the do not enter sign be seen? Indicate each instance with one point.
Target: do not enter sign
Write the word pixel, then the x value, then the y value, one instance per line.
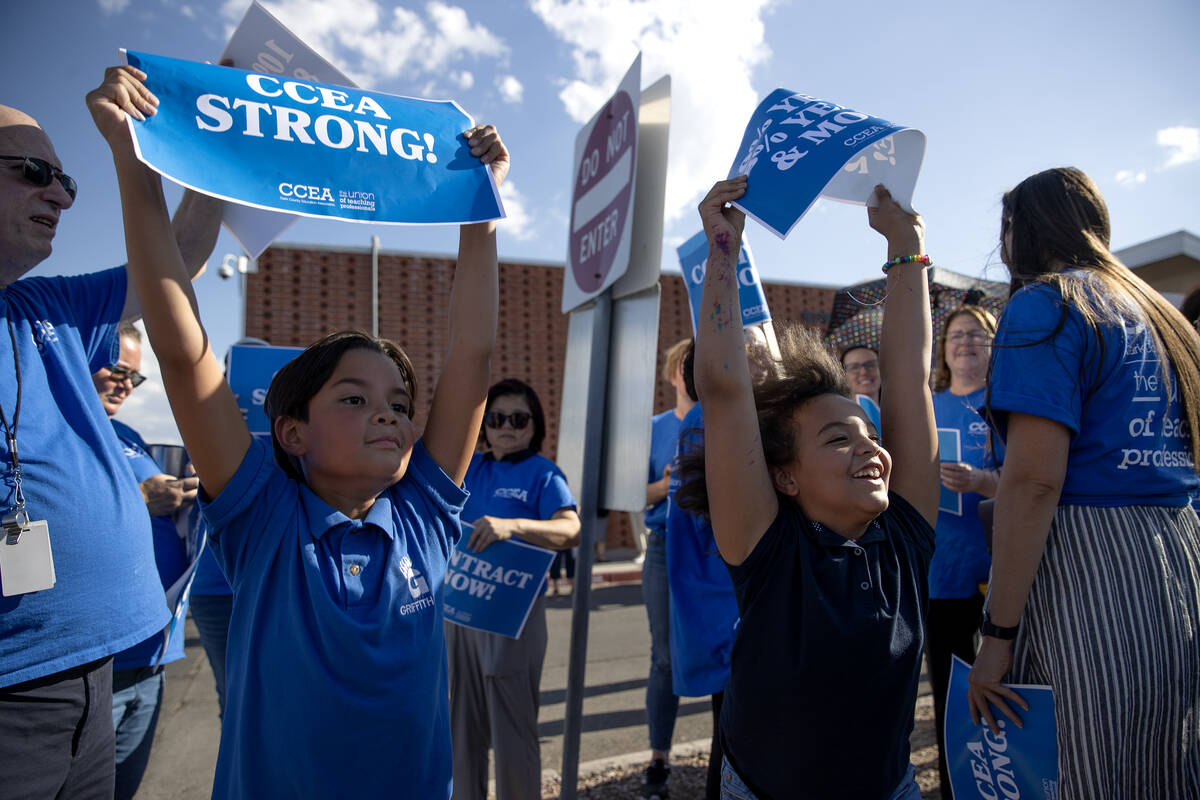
pixel 602 198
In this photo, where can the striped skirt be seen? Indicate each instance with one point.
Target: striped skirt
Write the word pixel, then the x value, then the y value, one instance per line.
pixel 1113 626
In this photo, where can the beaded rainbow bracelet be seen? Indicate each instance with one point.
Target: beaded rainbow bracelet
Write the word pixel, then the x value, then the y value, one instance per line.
pixel 922 259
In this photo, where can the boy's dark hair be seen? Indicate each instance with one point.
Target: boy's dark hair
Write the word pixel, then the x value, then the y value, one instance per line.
pixel 294 386
pixel 513 386
pixel 689 371
pixel 804 370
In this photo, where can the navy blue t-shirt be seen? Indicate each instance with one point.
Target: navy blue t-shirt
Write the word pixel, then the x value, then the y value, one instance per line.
pixel 827 658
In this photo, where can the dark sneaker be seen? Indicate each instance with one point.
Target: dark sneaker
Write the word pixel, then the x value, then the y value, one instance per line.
pixel 654 780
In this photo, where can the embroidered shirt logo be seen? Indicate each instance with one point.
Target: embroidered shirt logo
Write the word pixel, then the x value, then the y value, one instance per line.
pixel 43 334
pixel 512 494
pixel 418 587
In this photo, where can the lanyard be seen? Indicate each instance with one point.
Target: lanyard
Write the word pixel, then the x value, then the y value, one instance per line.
pixel 19 515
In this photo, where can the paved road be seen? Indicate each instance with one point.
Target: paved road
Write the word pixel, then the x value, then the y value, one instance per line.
pixel 614 723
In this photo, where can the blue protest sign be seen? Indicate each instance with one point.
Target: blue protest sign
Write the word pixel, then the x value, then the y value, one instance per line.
pixel 950 450
pixel 1019 762
pixel 495 589
pixel 693 259
pixel 797 148
pixel 310 148
pixel 250 372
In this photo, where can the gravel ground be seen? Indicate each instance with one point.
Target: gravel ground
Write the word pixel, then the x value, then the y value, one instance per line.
pixel 622 781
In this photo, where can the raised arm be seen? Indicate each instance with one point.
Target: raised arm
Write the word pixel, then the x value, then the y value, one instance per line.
pixel 905 352
pixel 560 532
pixel 741 496
pixel 458 401
pixel 196 223
pixel 205 410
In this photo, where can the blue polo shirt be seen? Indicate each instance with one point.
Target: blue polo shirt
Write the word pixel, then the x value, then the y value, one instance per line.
pixel 1129 438
pixel 336 662
pixel 961 561
pixel 704 609
pixel 107 596
pixel 170 557
pixel 828 656
pixel 664 437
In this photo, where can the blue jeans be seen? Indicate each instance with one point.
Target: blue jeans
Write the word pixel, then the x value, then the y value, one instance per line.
pixel 732 787
pixel 661 702
pixel 137 697
pixel 211 614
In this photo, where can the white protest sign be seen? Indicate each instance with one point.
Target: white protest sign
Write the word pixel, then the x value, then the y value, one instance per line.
pixel 261 43
pixel 605 171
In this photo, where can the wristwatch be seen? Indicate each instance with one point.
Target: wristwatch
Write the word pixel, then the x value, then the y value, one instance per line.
pixel 988 628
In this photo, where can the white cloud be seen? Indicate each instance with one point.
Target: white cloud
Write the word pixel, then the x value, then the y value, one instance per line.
pixel 1182 143
pixel 708 47
pixel 1129 177
pixel 372 45
pixel 519 222
pixel 463 79
pixel 510 88
pixel 113 6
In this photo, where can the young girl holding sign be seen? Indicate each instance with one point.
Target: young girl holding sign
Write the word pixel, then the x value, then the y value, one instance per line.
pixel 336 549
pixel 827 535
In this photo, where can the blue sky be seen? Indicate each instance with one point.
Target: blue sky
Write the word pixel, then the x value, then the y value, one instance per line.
pixel 1000 90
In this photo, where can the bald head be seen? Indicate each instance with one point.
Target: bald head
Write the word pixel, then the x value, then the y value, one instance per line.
pixel 29 213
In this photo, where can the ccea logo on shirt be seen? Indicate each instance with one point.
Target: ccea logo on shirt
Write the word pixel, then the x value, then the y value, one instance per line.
pixel 977 427
pixel 130 452
pixel 512 494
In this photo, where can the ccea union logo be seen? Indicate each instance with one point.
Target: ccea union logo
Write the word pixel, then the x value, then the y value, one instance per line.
pixel 306 194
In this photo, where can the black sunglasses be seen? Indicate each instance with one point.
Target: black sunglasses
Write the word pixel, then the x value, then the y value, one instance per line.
pixel 40 172
pixel 518 419
pixel 119 373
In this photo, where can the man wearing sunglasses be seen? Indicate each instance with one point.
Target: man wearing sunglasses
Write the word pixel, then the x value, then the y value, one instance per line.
pixel 77 574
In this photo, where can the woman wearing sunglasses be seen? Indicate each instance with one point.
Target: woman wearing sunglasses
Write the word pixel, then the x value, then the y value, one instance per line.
pixel 493 679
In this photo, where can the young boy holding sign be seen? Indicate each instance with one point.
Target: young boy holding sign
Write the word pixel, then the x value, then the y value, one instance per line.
pixel 337 547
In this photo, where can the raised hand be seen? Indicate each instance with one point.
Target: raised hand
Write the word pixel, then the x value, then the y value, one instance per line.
pixel 485 144
pixel 121 93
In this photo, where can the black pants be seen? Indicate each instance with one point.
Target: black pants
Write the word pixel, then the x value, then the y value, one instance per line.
pixel 949 630
pixel 56 736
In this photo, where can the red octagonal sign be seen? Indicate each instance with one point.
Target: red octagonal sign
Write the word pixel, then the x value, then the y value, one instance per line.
pixel 603 194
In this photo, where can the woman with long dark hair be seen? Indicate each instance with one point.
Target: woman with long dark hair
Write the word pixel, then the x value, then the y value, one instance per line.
pixel 1095 584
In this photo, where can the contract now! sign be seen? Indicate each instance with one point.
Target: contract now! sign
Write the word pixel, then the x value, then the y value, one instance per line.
pixel 602 196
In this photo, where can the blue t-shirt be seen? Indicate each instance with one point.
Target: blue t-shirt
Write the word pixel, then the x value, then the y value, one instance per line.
pixel 704 610
pixel 1129 439
pixel 521 485
pixel 209 580
pixel 336 662
pixel 664 436
pixel 961 561
pixel 170 556
pixel 107 596
pixel 828 656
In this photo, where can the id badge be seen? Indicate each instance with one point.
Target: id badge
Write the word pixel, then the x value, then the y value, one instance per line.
pixel 26 565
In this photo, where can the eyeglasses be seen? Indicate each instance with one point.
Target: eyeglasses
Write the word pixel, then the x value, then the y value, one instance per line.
pixel 518 419
pixel 119 374
pixel 863 366
pixel 40 172
pixel 978 337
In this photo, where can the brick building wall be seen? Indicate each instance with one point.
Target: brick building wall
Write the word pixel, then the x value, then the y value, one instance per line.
pixel 300 294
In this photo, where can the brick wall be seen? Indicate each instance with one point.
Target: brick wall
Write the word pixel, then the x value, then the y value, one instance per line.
pixel 301 294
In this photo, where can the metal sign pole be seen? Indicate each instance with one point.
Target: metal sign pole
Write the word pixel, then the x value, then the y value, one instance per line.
pixel 588 514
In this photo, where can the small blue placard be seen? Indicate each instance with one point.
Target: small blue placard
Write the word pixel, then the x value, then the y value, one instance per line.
pixel 311 148
pixel 250 372
pixel 495 589
pixel 798 148
pixel 693 260
pixel 1019 762
pixel 950 450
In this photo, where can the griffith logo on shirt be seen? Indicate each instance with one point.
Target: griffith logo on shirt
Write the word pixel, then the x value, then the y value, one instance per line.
pixel 43 334
pixel 417 585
